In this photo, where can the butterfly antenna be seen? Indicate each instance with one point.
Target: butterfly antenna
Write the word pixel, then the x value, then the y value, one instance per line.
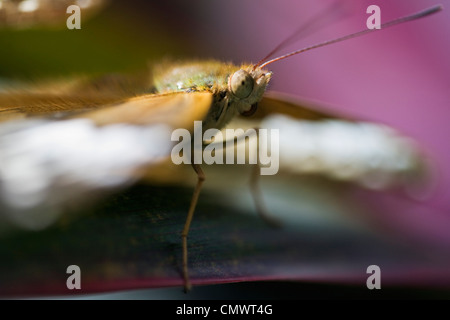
pixel 313 24
pixel 411 17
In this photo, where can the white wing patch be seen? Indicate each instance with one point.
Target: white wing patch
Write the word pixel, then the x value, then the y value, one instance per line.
pixel 46 164
pixel 373 155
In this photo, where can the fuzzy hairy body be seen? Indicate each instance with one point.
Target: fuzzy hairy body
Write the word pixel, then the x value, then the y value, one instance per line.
pixel 214 77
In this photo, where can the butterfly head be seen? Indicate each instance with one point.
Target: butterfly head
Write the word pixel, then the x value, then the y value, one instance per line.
pixel 246 87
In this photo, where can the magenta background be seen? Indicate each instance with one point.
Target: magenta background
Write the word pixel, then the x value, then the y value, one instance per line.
pixel 399 76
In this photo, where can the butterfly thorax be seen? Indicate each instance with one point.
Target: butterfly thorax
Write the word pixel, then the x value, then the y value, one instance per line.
pixel 235 89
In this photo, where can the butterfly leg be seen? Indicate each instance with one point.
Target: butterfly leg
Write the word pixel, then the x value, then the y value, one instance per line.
pixel 200 179
pixel 255 189
pixel 258 199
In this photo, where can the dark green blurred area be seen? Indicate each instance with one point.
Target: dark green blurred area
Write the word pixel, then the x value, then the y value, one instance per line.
pixel 123 37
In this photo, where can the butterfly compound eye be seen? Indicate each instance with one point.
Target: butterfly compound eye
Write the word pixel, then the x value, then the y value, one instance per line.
pixel 241 84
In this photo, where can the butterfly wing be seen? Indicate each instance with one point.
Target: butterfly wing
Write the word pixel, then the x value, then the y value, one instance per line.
pixel 47 165
pixel 63 97
pixel 313 140
pixel 281 103
pixel 23 14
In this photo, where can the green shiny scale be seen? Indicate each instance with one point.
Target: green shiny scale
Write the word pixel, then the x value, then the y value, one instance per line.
pixel 194 76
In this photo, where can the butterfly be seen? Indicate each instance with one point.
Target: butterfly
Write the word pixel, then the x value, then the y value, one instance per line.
pixel 79 140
